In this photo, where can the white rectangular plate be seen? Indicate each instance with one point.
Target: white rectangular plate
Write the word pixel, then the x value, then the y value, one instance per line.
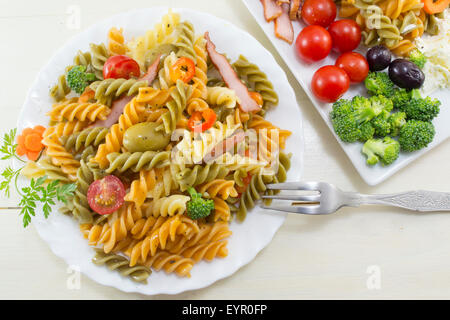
pixel 303 72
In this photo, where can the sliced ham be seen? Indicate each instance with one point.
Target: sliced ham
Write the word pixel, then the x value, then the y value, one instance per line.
pixel 225 145
pixel 271 10
pixel 293 9
pixel 246 103
pixel 283 26
pixel 119 104
pixel 152 71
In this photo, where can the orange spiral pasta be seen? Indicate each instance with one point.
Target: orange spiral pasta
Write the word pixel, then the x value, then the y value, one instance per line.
pixel 207 251
pixel 73 110
pixel 116 42
pixel 171 263
pixel 207 232
pixel 153 97
pixel 258 123
pixel 221 210
pixel 197 100
pixel 172 227
pixel 132 114
pixel 219 187
pixel 140 187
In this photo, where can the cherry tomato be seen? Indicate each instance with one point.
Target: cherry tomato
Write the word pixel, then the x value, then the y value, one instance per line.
pixel 313 43
pixel 355 65
pixel 106 195
pixel 329 83
pixel 319 12
pixel 183 69
pixel 117 67
pixel 346 35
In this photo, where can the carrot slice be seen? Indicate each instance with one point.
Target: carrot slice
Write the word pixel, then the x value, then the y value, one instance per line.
pixel 32 155
pixel 39 130
pixel 432 7
pixel 33 142
pixel 87 95
pixel 27 131
pixel 21 140
pixel 20 150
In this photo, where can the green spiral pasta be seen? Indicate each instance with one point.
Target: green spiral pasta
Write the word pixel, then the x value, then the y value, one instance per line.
pixel 185 40
pixel 110 89
pixel 99 56
pixel 87 137
pixel 137 161
pixel 257 80
pixel 191 177
pixel 253 193
pixel 176 106
pixel 86 174
pixel 121 264
pixel 60 90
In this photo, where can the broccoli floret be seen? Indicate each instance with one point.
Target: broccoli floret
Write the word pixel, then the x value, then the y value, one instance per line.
pixel 417 57
pixel 378 83
pixel 401 98
pixel 380 103
pixel 381 124
pixel 416 135
pixel 351 119
pixel 384 150
pixel 198 207
pixel 397 121
pixel 366 132
pixel 78 79
pixel 422 109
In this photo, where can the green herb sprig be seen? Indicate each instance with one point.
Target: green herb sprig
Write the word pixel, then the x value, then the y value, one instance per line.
pixel 38 191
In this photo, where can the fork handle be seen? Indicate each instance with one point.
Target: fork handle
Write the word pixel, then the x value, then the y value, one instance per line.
pixel 420 200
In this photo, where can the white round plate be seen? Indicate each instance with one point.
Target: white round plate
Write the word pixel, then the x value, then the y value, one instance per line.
pixel 62 233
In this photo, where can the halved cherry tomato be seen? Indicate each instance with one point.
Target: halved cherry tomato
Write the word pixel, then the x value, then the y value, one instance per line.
pixel 106 195
pixel 313 43
pixel 195 124
pixel 355 65
pixel 183 69
pixel 329 83
pixel 257 97
pixel 121 67
pixel 432 6
pixel 319 12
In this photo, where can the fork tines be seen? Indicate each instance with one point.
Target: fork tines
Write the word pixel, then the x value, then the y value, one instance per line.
pixel 306 204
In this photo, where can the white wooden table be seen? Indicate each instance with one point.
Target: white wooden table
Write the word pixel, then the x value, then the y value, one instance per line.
pixel 373 252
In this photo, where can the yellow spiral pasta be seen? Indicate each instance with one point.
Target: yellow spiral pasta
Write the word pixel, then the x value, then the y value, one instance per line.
pixel 132 114
pixel 73 110
pixel 166 206
pixel 116 42
pixel 222 97
pixel 153 97
pixel 60 156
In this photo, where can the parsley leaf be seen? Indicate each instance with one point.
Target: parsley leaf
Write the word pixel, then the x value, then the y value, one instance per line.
pixel 9 146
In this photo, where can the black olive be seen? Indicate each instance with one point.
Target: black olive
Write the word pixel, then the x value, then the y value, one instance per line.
pixel 378 58
pixel 406 74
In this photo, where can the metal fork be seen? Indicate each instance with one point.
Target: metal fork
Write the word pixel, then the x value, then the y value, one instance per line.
pixel 329 199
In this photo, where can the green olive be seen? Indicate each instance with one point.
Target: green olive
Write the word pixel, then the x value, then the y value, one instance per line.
pixel 163 50
pixel 144 137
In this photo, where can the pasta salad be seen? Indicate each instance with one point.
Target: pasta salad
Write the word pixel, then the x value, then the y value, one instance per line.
pixel 155 145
